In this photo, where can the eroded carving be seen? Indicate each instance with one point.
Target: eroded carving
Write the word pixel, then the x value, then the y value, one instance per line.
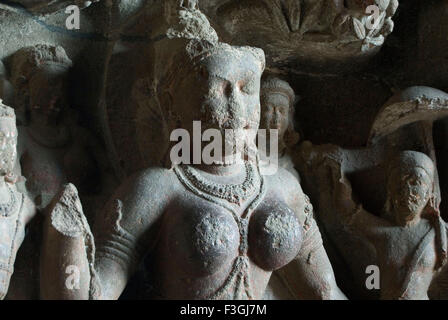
pixel 53 149
pixel 409 236
pixel 140 69
pixel 16 209
pixel 277 112
pixel 307 31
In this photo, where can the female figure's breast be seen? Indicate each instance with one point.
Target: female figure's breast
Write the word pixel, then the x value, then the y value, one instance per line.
pixel 202 238
pixel 275 235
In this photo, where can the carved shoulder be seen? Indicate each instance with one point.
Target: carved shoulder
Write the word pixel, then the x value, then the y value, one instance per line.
pixel 135 207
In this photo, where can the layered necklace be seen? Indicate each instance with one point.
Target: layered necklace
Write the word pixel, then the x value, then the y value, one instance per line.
pixel 237 285
pixel 234 193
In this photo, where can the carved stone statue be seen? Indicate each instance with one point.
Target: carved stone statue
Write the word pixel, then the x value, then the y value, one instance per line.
pixel 277 112
pixel 207 231
pixel 53 149
pixel 50 6
pixel 409 235
pixel 6 91
pixel 380 203
pixel 16 209
pixel 324 33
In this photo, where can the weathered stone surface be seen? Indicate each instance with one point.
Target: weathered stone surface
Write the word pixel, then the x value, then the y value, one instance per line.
pixel 324 33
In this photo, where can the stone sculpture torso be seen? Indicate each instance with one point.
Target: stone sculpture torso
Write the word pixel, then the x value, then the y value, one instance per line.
pixel 214 248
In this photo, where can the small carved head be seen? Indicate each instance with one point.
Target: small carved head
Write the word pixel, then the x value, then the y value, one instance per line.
pixel 8 140
pixel 277 109
pixel 410 185
pixel 39 76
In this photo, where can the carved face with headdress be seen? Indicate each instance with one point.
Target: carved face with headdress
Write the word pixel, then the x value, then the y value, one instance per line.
pixel 39 76
pixel 410 185
pixel 219 85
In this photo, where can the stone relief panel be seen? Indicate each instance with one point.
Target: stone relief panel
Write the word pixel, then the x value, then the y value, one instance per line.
pixel 89 117
pixel 277 112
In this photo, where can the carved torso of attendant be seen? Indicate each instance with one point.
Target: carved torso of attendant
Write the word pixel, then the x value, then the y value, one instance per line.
pixel 207 247
pixel 52 149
